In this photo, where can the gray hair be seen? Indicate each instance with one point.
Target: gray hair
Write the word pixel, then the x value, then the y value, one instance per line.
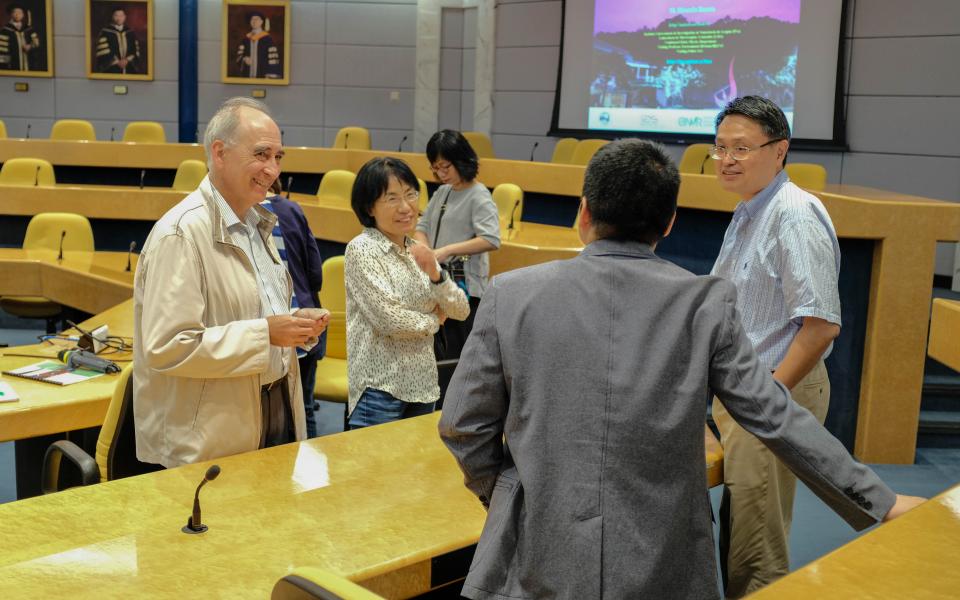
pixel 223 124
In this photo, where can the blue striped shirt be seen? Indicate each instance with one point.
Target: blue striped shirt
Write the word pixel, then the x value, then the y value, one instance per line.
pixel 781 252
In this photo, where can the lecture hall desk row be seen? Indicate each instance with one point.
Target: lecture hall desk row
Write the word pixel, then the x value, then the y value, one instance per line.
pixel 901 273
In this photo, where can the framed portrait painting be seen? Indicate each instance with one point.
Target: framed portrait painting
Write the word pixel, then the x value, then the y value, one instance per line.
pixel 256 42
pixel 26 38
pixel 119 39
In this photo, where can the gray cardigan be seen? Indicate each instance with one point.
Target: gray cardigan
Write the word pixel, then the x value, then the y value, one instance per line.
pixel 577 411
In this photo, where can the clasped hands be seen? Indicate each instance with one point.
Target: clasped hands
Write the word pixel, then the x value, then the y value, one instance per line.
pixel 298 329
pixel 427 261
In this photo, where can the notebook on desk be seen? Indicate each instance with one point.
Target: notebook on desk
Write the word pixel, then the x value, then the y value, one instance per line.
pixel 54 372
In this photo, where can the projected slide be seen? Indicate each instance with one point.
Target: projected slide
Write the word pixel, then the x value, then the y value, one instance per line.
pixel 668 66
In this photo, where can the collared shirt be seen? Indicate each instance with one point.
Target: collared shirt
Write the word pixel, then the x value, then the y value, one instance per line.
pixel 271 276
pixel 391 319
pixel 781 252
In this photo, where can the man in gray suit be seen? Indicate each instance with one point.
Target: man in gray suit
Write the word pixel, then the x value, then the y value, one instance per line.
pixel 577 410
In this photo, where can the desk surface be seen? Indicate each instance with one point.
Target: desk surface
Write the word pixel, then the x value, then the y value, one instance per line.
pixel 914 556
pixel 374 505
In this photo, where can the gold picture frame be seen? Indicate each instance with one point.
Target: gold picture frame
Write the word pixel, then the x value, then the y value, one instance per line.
pixel 26 38
pixel 252 49
pixel 119 39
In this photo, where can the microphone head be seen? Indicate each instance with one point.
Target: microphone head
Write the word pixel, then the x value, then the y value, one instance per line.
pixel 133 246
pixel 63 355
pixel 63 234
pixel 212 473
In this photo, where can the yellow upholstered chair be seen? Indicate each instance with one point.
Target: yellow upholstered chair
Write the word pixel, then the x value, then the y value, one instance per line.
pixel 353 138
pixel 333 294
pixel 809 176
pixel 3 129
pixel 73 129
pixel 585 150
pixel 563 151
pixel 696 159
pixel 309 583
pixel 189 175
pixel 116 455
pixel 480 143
pixel 144 132
pixel 27 171
pixel 45 231
pixel 337 187
pixel 509 200
pixel 331 383
pixel 424 195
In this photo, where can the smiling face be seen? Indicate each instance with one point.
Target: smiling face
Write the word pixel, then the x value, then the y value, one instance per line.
pixel 245 167
pixel 395 211
pixel 747 177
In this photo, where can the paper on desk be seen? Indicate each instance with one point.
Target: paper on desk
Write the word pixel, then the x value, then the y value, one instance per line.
pixel 7 393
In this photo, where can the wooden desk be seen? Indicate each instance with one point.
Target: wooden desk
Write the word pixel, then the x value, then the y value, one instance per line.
pixel 375 505
pixel 901 275
pixel 914 556
pixel 944 343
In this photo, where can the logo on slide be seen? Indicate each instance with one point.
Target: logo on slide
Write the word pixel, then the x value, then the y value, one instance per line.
pixel 604 118
pixel 690 122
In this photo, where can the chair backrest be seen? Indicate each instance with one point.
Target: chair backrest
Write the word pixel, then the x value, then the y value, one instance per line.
pixel 337 335
pixel 337 185
pixel 3 129
pixel 809 176
pixel 117 445
pixel 353 138
pixel 309 583
pixel 73 129
pixel 585 150
pixel 480 143
pixel 144 132
pixel 46 229
pixel 424 195
pixel 563 151
pixel 27 171
pixel 333 293
pixel 189 175
pixel 696 159
pixel 509 200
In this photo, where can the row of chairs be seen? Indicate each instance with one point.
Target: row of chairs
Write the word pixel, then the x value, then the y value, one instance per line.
pixel 39 172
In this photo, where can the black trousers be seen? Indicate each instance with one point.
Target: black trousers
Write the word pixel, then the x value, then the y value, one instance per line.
pixel 453 334
pixel 277 427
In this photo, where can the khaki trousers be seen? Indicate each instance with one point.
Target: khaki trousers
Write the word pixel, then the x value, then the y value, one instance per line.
pixel 757 505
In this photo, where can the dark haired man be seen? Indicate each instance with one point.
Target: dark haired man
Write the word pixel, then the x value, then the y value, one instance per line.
pixel 781 252
pixel 118 49
pixel 19 41
pixel 576 413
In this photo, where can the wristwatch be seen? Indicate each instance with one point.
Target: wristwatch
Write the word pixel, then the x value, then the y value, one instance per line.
pixel 443 277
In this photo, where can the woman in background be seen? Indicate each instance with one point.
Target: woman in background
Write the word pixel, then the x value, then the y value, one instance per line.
pixel 397 298
pixel 460 221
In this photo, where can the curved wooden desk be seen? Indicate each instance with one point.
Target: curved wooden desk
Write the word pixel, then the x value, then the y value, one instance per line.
pixel 913 557
pixel 901 274
pixel 944 343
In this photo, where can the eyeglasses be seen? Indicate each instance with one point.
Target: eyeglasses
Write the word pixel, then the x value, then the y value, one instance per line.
pixel 738 153
pixel 394 200
pixel 436 168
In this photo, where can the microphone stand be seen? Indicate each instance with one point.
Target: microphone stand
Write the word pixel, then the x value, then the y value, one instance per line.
pixel 534 149
pixel 63 234
pixel 400 146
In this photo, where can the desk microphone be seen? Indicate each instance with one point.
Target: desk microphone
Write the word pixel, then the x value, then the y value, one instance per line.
pixel 703 163
pixel 36 177
pixel 143 173
pixel 512 214
pixel 289 185
pixel 534 149
pixel 63 234
pixel 193 523
pixel 346 140
pixel 281 137
pixel 400 147
pixel 81 359
pixel 28 132
pixel 112 129
pixel 133 246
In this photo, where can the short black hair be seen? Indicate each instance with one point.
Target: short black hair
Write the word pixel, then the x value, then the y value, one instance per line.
pixel 13 6
pixel 455 148
pixel 631 188
pixel 757 108
pixel 372 182
pixel 256 13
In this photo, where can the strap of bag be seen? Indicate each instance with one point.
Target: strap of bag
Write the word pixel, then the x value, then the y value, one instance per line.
pixel 443 209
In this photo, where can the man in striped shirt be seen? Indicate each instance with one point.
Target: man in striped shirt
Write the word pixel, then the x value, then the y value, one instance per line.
pixel 781 252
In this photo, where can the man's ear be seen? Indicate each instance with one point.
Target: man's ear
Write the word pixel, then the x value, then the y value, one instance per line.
pixel 673 220
pixel 583 216
pixel 782 147
pixel 216 152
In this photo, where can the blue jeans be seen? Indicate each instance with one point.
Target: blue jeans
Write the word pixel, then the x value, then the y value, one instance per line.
pixel 308 376
pixel 376 407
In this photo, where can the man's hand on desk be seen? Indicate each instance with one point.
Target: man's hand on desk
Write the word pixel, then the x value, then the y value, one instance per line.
pixel 902 505
pixel 299 328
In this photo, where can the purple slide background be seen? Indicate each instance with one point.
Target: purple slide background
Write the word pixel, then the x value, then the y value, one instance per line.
pixel 611 16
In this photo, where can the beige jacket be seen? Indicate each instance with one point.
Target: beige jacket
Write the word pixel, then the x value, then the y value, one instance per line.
pixel 200 342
